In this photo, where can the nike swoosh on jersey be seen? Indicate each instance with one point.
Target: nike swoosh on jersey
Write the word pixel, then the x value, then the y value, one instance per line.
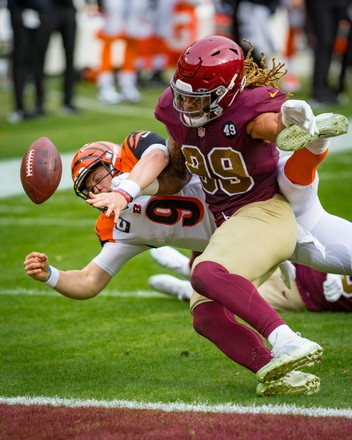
pixel 273 94
pixel 145 134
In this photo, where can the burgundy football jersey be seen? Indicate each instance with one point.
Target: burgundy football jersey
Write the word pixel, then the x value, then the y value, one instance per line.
pixel 310 285
pixel 234 168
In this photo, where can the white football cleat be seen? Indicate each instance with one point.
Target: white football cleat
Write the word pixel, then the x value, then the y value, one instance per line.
pixel 295 382
pixel 171 286
pixel 329 125
pixel 172 259
pixel 290 357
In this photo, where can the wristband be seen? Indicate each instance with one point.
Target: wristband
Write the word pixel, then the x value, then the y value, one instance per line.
pixel 130 187
pixel 53 277
pixel 124 194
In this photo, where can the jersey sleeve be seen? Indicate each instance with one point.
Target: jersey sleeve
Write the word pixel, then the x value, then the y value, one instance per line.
pixel 114 255
pixel 104 228
pixel 136 144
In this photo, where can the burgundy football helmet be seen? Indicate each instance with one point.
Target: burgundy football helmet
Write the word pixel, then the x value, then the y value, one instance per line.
pixel 208 74
pixel 89 157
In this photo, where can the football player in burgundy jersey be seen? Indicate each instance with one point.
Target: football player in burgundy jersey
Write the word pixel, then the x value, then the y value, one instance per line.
pixel 226 133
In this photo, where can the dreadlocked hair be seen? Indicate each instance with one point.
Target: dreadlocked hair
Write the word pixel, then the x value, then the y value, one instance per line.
pixel 258 76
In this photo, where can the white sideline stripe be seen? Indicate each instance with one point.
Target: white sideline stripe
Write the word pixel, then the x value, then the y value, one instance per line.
pixel 131 110
pixel 10 183
pixel 227 408
pixel 109 293
pixel 23 221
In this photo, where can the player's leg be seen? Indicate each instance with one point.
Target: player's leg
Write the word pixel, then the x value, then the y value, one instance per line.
pixel 325 240
pixel 109 36
pixel 242 250
pixel 246 347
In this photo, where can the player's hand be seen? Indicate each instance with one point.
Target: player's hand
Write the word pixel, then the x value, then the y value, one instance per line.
pixel 36 266
pixel 113 202
pixel 300 113
pixel 332 287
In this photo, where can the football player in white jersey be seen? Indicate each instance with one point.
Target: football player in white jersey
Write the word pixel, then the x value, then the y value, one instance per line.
pixel 180 220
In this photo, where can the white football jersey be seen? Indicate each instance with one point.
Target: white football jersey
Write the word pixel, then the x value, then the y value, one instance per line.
pixel 182 220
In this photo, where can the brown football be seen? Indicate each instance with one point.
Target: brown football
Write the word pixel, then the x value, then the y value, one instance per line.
pixel 41 170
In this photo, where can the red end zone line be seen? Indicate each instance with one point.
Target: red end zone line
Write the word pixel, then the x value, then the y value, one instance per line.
pixel 179 406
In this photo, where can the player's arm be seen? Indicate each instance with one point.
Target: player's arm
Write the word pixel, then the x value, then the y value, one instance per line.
pixel 267 126
pixel 172 179
pixel 175 176
pixel 75 284
pixel 144 173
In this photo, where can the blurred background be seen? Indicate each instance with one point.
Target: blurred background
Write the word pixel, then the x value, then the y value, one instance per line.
pixel 83 70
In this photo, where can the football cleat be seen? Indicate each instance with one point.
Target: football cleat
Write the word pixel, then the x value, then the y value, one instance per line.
pixel 295 382
pixel 329 125
pixel 290 357
pixel 171 286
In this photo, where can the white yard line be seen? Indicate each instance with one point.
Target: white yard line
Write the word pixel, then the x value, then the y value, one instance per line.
pixel 109 293
pixel 226 408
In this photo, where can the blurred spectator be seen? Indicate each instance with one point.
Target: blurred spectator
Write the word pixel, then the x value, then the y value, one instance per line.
pixel 251 22
pixel 26 19
pixel 296 17
pixel 60 16
pixel 154 34
pixel 129 20
pixel 323 18
pixel 344 47
pixel 224 10
pixel 154 51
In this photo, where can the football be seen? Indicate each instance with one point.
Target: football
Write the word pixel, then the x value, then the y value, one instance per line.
pixel 41 170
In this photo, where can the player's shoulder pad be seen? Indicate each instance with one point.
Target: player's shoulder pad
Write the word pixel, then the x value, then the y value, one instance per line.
pixel 139 141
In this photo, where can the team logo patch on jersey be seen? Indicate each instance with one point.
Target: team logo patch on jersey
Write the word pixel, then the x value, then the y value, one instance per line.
pixel 229 129
pixel 137 209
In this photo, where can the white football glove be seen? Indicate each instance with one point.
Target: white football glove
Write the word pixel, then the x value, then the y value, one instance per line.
pixel 288 273
pixel 300 113
pixel 332 287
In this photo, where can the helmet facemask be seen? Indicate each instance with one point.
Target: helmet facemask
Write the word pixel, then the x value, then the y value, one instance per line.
pixel 207 103
pixel 83 191
pixel 87 159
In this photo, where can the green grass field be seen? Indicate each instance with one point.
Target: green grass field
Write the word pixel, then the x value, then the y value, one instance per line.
pixel 121 345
